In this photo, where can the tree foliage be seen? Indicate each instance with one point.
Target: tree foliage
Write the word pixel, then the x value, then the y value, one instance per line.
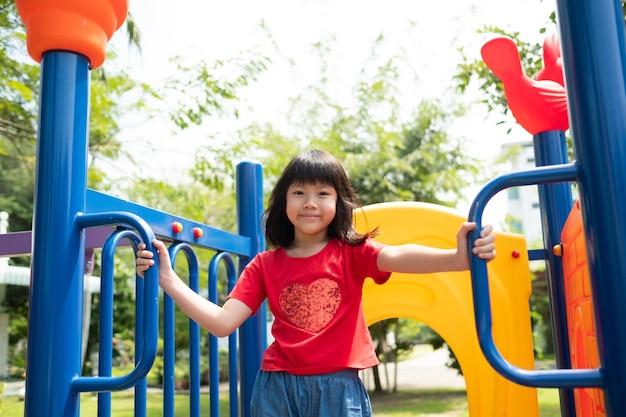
pixel 389 154
pixel 210 89
pixel 489 85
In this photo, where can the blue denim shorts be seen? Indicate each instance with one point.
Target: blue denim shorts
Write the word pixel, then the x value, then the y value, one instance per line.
pixel 337 394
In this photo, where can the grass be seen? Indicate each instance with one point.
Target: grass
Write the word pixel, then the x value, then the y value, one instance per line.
pixel 422 402
pixel 122 405
pixel 446 403
pixel 549 403
pixel 405 403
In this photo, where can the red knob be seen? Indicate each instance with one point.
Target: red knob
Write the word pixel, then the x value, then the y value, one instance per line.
pixel 177 227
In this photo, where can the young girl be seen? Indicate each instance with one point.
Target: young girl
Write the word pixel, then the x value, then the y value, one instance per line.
pixel 313 281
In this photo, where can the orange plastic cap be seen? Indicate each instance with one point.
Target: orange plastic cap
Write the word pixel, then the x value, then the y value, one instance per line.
pixel 78 26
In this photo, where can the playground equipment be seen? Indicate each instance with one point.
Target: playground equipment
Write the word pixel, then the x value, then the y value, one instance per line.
pixel 580 321
pixel 443 301
pixel 69 38
pixel 587 304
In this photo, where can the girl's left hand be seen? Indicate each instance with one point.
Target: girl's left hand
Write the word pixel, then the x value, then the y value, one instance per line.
pixel 485 246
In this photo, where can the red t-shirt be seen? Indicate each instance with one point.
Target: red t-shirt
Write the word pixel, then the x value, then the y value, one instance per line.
pixel 319 326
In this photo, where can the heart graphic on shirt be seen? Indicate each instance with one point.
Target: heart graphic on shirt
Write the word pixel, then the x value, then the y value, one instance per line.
pixel 310 307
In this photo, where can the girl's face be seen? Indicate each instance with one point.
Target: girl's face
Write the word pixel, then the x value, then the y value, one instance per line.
pixel 311 208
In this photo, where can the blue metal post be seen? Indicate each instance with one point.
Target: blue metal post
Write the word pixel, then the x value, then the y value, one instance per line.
pixel 594 55
pixel 56 290
pixel 252 337
pixel 555 202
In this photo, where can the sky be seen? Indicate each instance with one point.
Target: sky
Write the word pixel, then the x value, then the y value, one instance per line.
pixel 428 33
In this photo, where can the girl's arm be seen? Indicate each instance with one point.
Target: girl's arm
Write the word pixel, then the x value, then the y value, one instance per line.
pixel 219 321
pixel 418 259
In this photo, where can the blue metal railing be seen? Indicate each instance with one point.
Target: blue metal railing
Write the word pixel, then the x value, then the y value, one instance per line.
pixel 107 288
pixel 214 368
pixel 226 244
pixel 146 331
pixel 147 340
pixel 169 355
pixel 561 378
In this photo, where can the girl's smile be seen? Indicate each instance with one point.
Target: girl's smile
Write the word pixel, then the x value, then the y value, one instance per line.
pixel 311 207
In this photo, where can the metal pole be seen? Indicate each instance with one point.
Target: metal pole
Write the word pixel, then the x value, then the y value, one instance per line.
pixel 555 202
pixel 253 339
pixel 56 290
pixel 594 55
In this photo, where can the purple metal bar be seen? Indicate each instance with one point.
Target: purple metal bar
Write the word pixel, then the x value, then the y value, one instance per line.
pixel 16 244
pixel 20 243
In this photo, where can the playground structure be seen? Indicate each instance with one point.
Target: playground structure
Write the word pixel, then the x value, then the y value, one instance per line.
pixel 69 39
pixel 443 301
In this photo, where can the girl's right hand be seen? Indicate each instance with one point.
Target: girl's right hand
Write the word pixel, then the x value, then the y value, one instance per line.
pixel 145 258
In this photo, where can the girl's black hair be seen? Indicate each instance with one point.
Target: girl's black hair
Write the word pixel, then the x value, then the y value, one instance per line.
pixel 308 168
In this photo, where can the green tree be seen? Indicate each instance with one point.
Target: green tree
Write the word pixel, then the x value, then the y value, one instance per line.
pixel 19 95
pixel 201 90
pixel 18 111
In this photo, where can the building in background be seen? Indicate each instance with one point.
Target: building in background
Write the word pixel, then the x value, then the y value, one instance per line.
pixel 523 211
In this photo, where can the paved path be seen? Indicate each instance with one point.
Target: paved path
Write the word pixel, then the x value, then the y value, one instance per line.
pixel 11 388
pixel 427 371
